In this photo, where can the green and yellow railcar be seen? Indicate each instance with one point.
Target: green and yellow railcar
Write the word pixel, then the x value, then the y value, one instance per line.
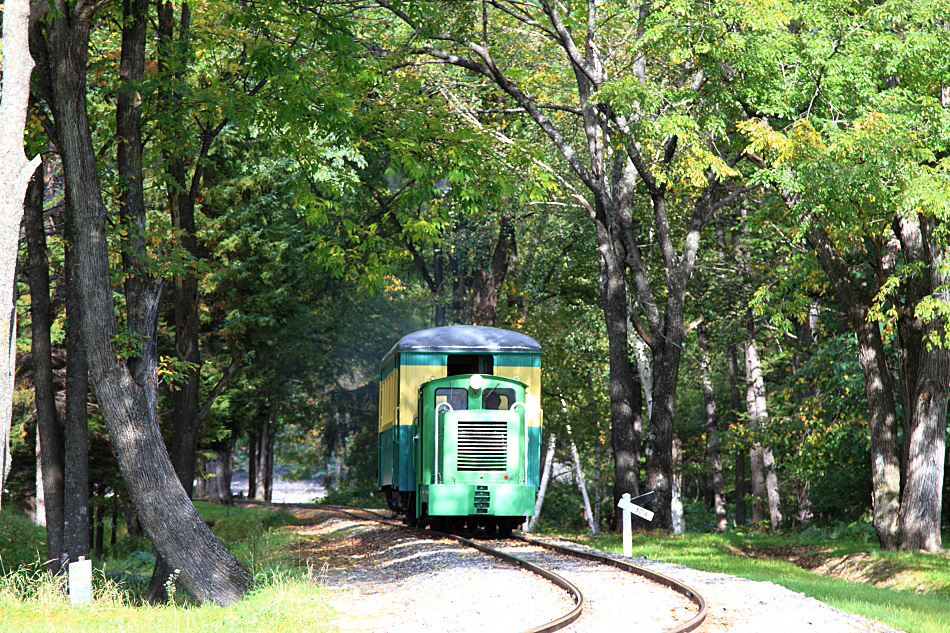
pixel 460 427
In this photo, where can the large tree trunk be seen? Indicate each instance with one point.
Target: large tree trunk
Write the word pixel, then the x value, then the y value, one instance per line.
pixel 921 500
pixel 712 429
pixel 885 458
pixel 128 401
pixel 48 432
pixel 15 174
pixel 488 283
pixel 926 384
pixel 764 477
pixel 625 398
pixel 666 365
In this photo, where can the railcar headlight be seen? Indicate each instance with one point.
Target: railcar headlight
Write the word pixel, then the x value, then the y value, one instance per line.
pixel 476 382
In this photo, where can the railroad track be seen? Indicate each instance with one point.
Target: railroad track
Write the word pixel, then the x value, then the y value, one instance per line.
pixel 520 542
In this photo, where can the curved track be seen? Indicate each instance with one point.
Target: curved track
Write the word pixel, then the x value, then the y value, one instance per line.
pixel 575 593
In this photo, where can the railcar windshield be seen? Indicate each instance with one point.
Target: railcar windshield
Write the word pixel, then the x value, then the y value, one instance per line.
pixel 455 396
pixel 498 399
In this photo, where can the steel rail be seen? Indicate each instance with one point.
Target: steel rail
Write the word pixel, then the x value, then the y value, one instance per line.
pixel 547 574
pixel 565 584
pixel 561 582
pixel 656 577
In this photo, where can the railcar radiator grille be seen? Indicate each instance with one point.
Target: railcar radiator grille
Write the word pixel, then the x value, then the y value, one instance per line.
pixel 483 446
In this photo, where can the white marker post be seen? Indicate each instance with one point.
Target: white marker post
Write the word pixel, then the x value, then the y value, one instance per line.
pixel 629 508
pixel 80 581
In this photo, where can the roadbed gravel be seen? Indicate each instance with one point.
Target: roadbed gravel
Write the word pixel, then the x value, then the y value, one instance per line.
pixel 386 579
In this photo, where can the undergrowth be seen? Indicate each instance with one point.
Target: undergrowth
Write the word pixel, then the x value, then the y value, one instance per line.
pixel 287 596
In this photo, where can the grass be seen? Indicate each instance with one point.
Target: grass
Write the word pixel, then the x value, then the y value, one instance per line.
pixel 919 601
pixel 277 605
pixel 285 598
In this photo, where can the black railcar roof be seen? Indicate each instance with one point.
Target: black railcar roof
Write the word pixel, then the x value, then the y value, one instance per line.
pixel 466 338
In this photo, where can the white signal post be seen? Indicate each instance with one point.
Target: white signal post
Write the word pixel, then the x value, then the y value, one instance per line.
pixel 629 508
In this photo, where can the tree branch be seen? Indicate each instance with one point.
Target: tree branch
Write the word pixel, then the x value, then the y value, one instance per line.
pixel 236 357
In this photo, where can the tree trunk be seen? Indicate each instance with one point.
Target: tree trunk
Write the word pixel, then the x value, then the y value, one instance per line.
pixel 582 483
pixel 757 479
pixel 543 488
pixel 438 289
pixel 804 502
pixel 100 522
pixel 219 486
pixel 625 397
pixel 126 394
pixel 735 402
pixel 15 174
pixel 771 489
pixel 926 422
pixel 885 459
pixel 712 429
pixel 764 478
pixel 182 193
pixel 677 516
pixel 39 516
pixel 48 432
pixel 264 458
pixel 132 523
pixel 269 463
pixel 488 283
pixel 645 371
pixel 598 456
pixel 113 522
pixel 660 474
pixel 252 475
pixel 76 437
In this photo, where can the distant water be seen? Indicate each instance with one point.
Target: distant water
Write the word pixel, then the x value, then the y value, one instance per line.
pixel 303 491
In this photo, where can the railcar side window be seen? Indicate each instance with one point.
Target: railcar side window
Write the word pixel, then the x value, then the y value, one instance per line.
pixel 498 399
pixel 456 397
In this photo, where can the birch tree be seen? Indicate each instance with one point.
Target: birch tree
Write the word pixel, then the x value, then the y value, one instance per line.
pixel 15 173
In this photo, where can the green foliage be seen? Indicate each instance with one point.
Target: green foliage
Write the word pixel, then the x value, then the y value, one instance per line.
pixel 563 510
pixel 349 495
pixel 22 543
pixel 235 527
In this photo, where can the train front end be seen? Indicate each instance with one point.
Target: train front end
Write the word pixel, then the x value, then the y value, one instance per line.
pixel 472 445
pixel 460 427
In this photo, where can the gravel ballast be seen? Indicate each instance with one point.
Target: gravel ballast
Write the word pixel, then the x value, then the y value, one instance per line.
pixel 386 579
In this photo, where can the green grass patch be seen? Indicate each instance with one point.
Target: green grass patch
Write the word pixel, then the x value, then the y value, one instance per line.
pixel 908 591
pixel 22 543
pixel 286 597
pixel 278 605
